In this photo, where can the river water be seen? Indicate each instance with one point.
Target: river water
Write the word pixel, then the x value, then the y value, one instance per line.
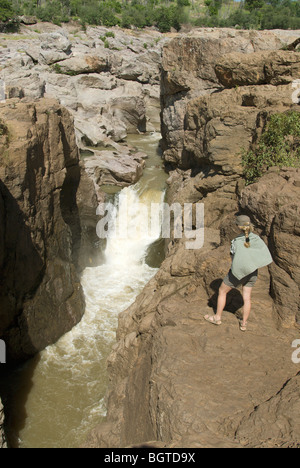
pixel 59 396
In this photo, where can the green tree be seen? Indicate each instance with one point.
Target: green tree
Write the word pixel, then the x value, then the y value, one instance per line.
pixel 169 17
pixel 6 10
pixel 254 4
pixel 107 16
pixel 213 6
pixel 183 3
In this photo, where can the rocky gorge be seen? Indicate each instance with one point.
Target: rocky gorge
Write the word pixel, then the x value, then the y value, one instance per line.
pixel 106 85
pixel 174 381
pixel 186 384
pixel 49 190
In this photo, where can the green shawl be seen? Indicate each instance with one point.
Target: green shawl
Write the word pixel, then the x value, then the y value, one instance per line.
pixel 248 260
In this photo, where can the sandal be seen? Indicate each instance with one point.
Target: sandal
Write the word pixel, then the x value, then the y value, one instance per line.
pixel 212 319
pixel 243 328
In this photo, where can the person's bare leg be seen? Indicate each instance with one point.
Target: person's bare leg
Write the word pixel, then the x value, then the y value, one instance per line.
pixel 247 304
pixel 223 291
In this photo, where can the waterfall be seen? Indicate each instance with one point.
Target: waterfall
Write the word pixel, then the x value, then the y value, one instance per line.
pixel 70 380
pixel 133 231
pixel 115 284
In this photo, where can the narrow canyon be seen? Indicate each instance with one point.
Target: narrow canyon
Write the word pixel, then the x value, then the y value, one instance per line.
pixel 78 105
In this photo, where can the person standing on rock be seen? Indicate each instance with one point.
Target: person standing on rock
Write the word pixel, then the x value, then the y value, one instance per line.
pixel 249 253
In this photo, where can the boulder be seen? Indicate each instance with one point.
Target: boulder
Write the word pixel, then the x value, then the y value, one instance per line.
pixel 54 47
pixel 129 110
pixel 87 63
pixel 31 86
pixel 28 20
pixel 114 168
pixel 56 41
pixel 103 81
pixel 145 68
pixel 113 115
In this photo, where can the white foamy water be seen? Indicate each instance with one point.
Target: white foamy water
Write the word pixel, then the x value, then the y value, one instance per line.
pixel 69 381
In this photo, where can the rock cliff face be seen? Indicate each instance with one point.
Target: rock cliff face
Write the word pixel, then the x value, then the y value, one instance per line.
pixel 176 381
pixel 274 205
pixel 191 68
pixel 42 193
pixel 218 125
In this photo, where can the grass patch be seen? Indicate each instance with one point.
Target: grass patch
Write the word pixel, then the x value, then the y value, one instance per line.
pixel 57 69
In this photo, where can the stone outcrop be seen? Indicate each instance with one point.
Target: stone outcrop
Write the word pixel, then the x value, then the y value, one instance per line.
pixel 192 66
pixel 84 64
pixel 220 126
pixel 27 19
pixel 108 79
pixel 41 231
pixel 115 168
pixel 275 419
pixel 174 379
pixel 177 380
pixel 206 127
pixel 275 68
pixel 55 47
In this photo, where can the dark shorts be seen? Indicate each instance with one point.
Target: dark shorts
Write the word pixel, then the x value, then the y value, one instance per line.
pixel 249 281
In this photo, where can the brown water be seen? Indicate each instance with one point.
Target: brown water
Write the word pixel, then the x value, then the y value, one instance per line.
pixel 59 396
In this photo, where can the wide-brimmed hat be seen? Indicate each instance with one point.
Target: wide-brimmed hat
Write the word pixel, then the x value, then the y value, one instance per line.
pixel 243 220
